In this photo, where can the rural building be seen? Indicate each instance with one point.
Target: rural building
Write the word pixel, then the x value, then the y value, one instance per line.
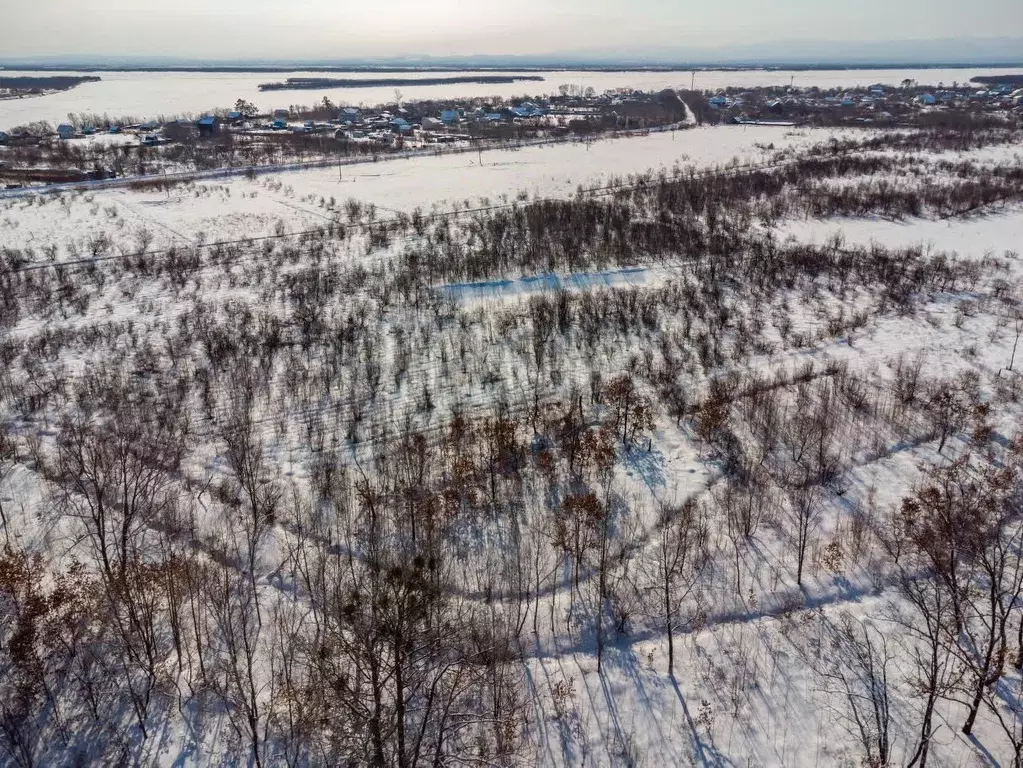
pixel 208 126
pixel 401 125
pixel 66 131
pixel 449 116
pixel 525 110
pixel 432 124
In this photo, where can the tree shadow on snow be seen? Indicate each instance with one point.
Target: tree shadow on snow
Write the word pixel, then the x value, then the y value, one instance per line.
pixel 649 465
pixel 706 753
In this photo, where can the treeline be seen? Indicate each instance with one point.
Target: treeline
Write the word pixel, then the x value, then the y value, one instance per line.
pixel 25 83
pixel 324 83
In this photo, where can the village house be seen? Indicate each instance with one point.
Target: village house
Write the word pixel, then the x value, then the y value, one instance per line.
pixel 350 115
pixel 401 125
pixel 208 126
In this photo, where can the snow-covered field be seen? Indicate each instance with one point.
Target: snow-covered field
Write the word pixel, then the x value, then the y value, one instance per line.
pixel 241 207
pixel 447 492
pixel 988 234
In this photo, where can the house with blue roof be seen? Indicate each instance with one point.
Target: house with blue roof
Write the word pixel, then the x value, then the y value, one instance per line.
pixel 450 116
pixel 401 125
pixel 208 125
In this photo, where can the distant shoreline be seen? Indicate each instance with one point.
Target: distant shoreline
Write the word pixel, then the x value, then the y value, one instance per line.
pixel 1014 80
pixel 326 83
pixel 552 66
pixel 14 87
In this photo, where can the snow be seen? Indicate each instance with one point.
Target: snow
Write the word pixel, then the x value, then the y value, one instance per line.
pixel 241 207
pixel 147 95
pixel 748 690
pixel 991 233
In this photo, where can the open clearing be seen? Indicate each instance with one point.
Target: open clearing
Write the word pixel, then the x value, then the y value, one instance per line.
pixel 240 207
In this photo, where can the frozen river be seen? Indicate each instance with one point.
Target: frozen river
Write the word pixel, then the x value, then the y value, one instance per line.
pixel 145 95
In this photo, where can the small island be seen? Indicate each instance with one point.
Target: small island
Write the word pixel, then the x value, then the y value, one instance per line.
pixel 22 86
pixel 321 83
pixel 1015 81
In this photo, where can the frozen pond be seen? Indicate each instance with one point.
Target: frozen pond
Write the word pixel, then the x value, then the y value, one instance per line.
pixel 145 95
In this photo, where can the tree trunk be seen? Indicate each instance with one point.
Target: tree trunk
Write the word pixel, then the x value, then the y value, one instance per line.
pixel 974 707
pixel 919 759
pixel 671 634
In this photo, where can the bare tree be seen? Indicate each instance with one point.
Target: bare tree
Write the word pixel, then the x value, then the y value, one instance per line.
pixel 681 555
pixel 8 454
pixel 138 613
pixel 805 514
pixel 934 675
pixel 243 662
pixel 856 670
pixel 1003 699
pixel 117 471
pixel 1018 326
pixel 949 411
pixel 631 412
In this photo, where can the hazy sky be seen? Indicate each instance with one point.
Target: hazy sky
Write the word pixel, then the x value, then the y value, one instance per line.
pixel 264 29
